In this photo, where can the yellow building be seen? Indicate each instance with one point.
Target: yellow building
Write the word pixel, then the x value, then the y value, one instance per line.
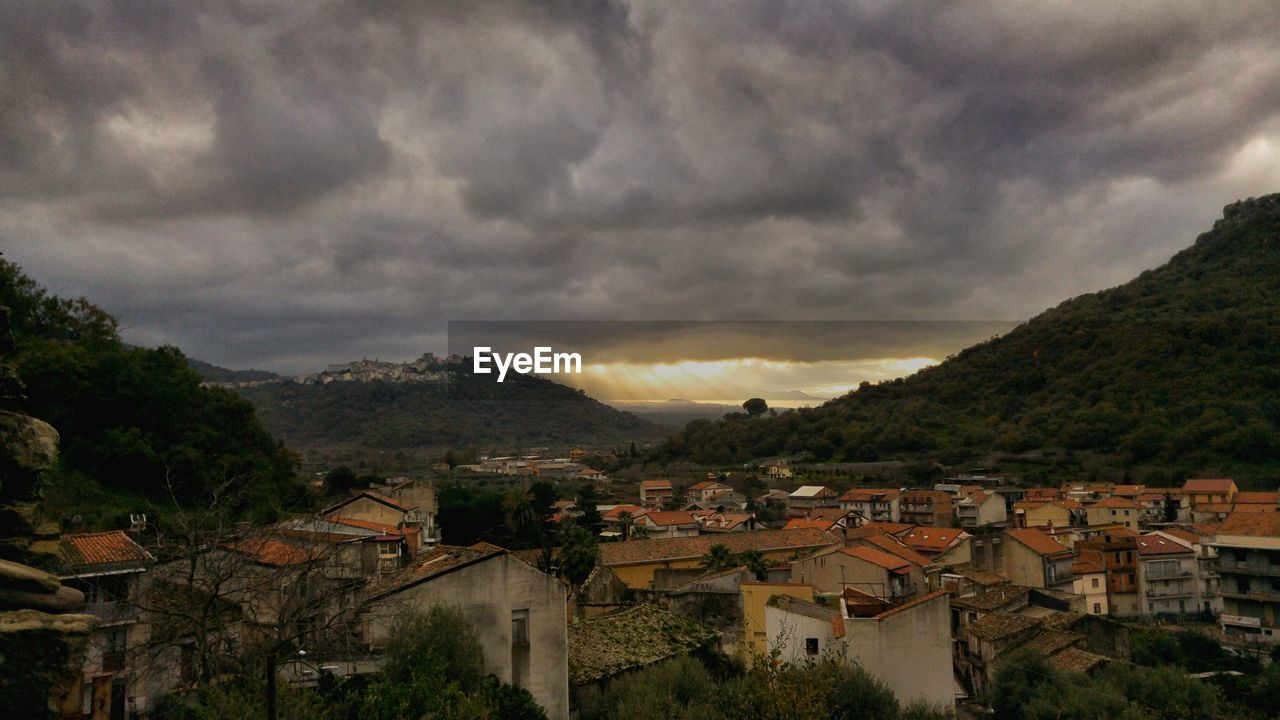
pixel 755 641
pixel 1056 513
pixel 635 561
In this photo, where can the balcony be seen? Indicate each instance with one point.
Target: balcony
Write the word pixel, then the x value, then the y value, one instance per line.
pixel 1241 621
pixel 1178 575
pixel 1259 595
pixel 1158 593
pixel 1248 568
pixel 112 613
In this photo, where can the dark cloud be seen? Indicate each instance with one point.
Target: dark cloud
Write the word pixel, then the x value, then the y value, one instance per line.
pixel 283 184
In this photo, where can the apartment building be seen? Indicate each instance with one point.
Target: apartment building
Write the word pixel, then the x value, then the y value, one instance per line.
pixel 1248 546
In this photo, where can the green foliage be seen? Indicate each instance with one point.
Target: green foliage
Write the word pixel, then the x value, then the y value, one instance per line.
pixel 578 554
pixel 587 500
pixel 1176 371
pixel 756 407
pixel 243 697
pixel 137 419
pixel 340 480
pixel 680 689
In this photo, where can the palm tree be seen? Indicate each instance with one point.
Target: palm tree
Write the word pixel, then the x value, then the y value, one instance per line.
pixel 627 522
pixel 718 557
pixel 754 562
pixel 518 512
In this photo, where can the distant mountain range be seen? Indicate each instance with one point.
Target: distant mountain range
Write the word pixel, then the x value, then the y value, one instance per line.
pixel 676 413
pixel 1174 372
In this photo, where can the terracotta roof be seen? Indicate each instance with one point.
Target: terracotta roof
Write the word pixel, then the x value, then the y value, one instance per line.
pixel 993 598
pixel 869 494
pixel 1190 536
pixel 829 513
pixel 1075 660
pixel 976 574
pixel 1217 485
pixel 665 549
pixel 1257 498
pixel 931 540
pixel 1254 508
pixel 1214 507
pixel 892 528
pixel 1037 541
pixel 820 524
pixel 366 524
pixel 613 512
pixel 1128 490
pixel 269 551
pixel 1251 524
pixel 1044 493
pixel 706 485
pixel 102 548
pixel 892 545
pixel 1154 544
pixel 910 604
pixel 655 484
pixel 670 517
pixel 1051 641
pixel 1118 503
pixel 889 562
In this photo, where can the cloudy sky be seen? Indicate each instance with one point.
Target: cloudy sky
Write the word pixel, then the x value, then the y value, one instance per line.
pixel 281 185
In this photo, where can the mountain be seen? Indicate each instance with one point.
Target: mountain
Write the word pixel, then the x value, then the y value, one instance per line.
pixel 1174 372
pixel 212 373
pixel 413 420
pixel 676 413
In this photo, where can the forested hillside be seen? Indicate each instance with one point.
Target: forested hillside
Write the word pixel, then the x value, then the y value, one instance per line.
pixel 1177 370
pixel 136 422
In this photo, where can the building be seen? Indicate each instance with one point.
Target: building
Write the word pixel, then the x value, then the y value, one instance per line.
pixel 755 598
pixel 873 505
pixel 808 497
pixel 1202 492
pixel 1114 510
pixel 1256 502
pixel 386 512
pixel 1206 565
pixel 1034 559
pixel 1168 582
pixel 930 508
pixel 905 645
pixel 705 491
pixel 981 508
pixel 1160 506
pixel 1045 513
pixel 674 523
pixel 943 545
pixel 780 471
pixel 636 561
pixel 863 567
pixel 1116 552
pixel 1248 546
pixel 656 494
pixel 109 568
pixel 1090 583
pixel 516 611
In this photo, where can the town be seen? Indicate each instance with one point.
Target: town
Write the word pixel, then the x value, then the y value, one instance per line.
pixel 929 589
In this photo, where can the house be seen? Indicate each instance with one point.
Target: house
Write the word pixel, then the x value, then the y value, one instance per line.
pixel 516 611
pixel 420 497
pixel 1206 565
pixel 873 504
pixel 944 546
pixel 386 512
pixel 981 508
pixel 1042 494
pixel 660 524
pixel 755 598
pixel 1045 513
pixel 1090 583
pixel 621 520
pixel 655 494
pixel 1248 545
pixel 1163 505
pixel 774 498
pixel 890 544
pixel 1168 576
pixel 816 523
pixel 906 645
pixel 635 561
pixel 808 497
pixel 1114 510
pixel 1034 559
pixel 109 568
pixel 1257 502
pixel 930 508
pixel 1116 552
pixel 721 522
pixel 704 491
pixel 862 567
pixel 1071 642
pixel 780 471
pixel 1201 492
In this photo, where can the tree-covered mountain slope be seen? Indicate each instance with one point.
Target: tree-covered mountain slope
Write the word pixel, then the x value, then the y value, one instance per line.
pixel 1177 370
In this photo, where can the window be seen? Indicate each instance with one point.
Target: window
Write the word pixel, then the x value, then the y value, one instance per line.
pixel 1097 608
pixel 519 627
pixel 1095 582
pixel 113 653
pixel 811 646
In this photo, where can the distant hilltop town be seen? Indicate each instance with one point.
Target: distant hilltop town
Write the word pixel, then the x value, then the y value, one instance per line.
pixel 428 368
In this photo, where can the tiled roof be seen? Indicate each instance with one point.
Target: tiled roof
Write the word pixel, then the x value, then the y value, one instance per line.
pixel 1154 544
pixel 1128 490
pixel 1051 641
pixel 1251 524
pixel 613 512
pixel 1258 498
pixel 1084 567
pixel 869 494
pixel 1044 493
pixel 829 513
pixel 1214 507
pixel 437 561
pixel 366 524
pixel 1216 485
pixel 663 549
pixel 102 548
pixel 628 639
pixel 269 551
pixel 808 491
pixel 993 598
pixel 1037 541
pixel 913 602
pixel 892 563
pixel 931 540
pixel 671 517
pixel 892 545
pixel 1075 660
pixel 655 484
pixel 1190 536
pixel 977 574
pixel 798 523
pixel 376 497
pixel 997 626
pixel 892 528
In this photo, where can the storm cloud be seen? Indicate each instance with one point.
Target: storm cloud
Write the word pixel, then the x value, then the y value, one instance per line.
pixel 281 185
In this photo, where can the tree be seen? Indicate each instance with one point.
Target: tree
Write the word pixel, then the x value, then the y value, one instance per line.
pixel 518 512
pixel 627 523
pixel 578 555
pixel 719 557
pixel 587 501
pixel 756 407
pixel 340 480
pixel 753 561
pixel 1169 509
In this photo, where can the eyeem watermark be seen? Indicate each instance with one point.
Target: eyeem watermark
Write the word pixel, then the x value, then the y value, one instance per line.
pixel 543 361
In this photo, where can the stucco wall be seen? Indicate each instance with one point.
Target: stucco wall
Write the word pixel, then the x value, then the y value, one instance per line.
pixel 909 650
